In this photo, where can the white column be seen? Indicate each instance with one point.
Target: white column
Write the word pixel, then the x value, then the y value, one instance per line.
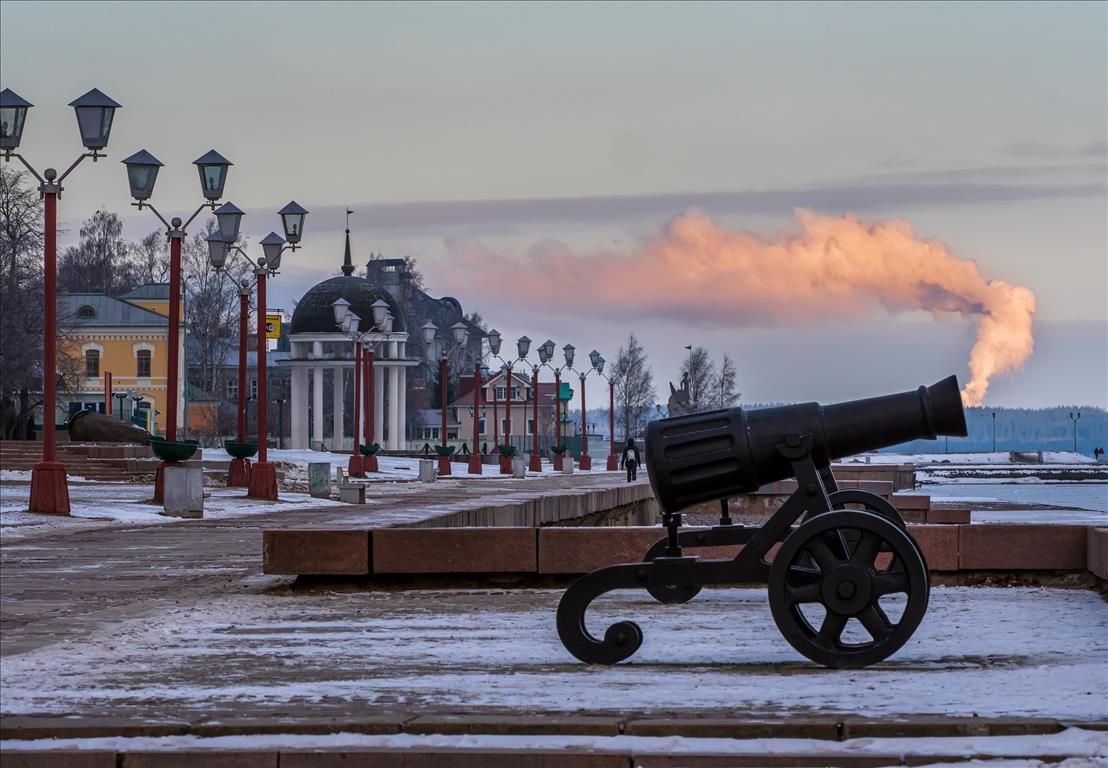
pixel 339 398
pixel 394 411
pixel 379 403
pixel 403 405
pixel 299 414
pixel 317 404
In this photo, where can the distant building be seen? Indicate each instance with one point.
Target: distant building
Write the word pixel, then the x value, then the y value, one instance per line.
pixel 126 336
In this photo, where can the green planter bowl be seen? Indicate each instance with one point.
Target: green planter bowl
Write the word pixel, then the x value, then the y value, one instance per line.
pixel 369 450
pixel 173 451
pixel 444 450
pixel 507 450
pixel 240 450
pixel 558 449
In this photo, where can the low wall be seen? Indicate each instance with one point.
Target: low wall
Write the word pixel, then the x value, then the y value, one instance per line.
pixel 571 551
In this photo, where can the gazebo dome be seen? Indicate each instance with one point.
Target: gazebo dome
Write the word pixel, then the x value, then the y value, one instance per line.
pixel 313 313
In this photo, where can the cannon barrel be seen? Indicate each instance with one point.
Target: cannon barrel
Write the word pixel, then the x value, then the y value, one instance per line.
pixel 707 456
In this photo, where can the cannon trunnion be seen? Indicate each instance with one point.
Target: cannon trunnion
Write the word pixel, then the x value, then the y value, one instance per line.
pixel 848 584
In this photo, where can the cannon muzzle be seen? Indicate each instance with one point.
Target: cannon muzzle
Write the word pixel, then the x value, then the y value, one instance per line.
pixel 707 456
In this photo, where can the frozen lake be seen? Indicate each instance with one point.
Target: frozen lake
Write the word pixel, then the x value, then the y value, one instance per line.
pixel 1087 495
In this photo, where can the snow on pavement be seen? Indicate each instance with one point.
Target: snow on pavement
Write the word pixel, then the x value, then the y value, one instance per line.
pixel 988 652
pixel 1072 742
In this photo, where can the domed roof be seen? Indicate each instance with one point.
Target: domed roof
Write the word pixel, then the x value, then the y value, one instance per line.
pixel 313 313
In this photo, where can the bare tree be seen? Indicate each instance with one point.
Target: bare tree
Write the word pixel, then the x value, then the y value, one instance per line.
pixel 21 243
pixel 701 374
pixel 151 259
pixel 634 389
pixel 725 383
pixel 100 262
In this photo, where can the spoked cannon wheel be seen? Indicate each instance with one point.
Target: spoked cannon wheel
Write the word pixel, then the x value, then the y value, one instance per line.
pixel 835 581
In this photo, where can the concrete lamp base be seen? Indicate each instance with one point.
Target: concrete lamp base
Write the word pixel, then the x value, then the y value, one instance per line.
pixel 444 466
pixel 535 463
pixel 369 464
pixel 49 489
pixel 238 475
pixel 354 467
pixel 585 462
pixel 557 461
pixel 505 465
pixel 613 462
pixel 475 464
pixel 159 480
pixel 263 481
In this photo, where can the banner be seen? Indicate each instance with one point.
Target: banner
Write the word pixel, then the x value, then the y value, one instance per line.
pixel 273 326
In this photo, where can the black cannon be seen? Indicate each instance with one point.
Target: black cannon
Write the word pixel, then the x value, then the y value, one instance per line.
pixel 850 550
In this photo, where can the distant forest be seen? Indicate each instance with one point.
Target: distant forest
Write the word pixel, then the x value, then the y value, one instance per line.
pixel 1017 429
pixel 1023 429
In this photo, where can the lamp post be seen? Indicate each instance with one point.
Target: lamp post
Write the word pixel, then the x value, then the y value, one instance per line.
pixel 994 431
pixel 120 396
pixel 349 324
pixel 238 474
pixel 263 475
pixel 477 411
pixel 598 366
pixel 280 401
pixel 1075 418
pixel 382 323
pixel 546 354
pixel 107 393
pixel 459 333
pixel 494 347
pixel 95 112
pixel 584 460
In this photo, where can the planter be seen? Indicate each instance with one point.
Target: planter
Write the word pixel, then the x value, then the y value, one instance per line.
pixel 173 451
pixel 369 450
pixel 558 450
pixel 444 450
pixel 240 450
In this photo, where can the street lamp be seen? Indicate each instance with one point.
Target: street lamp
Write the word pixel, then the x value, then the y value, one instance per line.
pixel 238 474
pixel 120 396
pixel 598 366
pixel 349 324
pixel 994 431
pixel 546 354
pixel 95 112
pixel 142 173
pixel 263 475
pixel 585 461
pixel 459 333
pixel 1075 418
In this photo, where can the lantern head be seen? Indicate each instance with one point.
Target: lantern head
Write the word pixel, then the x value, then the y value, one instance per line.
pixel 523 346
pixel 340 307
pixel 94 118
pixel 594 356
pixel 217 250
pixel 272 244
pixel 380 310
pixel 429 330
pixel 213 173
pixel 13 114
pixel 229 217
pixel 624 364
pixel 567 350
pixel 460 331
pixel 292 219
pixel 142 172
pixel 494 341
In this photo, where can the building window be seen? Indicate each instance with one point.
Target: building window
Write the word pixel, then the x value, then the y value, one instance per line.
pixel 500 393
pixel 480 426
pixel 143 358
pixel 232 389
pixel 92 363
pixel 530 426
pixel 253 389
pixel 86 312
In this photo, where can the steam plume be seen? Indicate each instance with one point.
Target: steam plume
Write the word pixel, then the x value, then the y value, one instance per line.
pixel 694 271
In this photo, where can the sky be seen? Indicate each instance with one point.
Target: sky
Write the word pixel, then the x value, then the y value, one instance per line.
pixel 515 150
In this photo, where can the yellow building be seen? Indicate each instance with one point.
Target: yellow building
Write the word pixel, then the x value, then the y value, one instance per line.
pixel 126 336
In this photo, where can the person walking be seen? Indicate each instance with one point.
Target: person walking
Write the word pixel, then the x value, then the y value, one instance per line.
pixel 630 460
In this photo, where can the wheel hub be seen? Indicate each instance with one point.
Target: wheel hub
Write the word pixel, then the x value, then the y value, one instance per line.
pixel 847 589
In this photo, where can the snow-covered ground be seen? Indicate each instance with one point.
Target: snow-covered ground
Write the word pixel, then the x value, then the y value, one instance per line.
pixel 997 457
pixel 979 651
pixel 1085 748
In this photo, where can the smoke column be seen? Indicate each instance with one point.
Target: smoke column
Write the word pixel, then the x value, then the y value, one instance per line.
pixel 696 272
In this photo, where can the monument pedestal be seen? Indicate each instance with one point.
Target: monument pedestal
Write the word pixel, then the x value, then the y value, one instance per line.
pixel 49 489
pixel 263 481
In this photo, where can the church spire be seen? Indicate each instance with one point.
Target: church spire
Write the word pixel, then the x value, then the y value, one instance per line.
pixel 347 264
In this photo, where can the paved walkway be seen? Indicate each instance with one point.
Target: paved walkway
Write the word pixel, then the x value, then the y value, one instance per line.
pixel 62 584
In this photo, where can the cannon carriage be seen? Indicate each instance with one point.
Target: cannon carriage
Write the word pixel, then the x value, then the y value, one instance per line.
pixel 829 556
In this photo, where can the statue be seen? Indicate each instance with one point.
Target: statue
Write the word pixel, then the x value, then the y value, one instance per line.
pixel 92 427
pixel 679 398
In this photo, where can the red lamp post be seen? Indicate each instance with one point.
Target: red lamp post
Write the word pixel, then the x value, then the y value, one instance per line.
pixel 369 463
pixel 535 465
pixel 613 462
pixel 475 455
pixel 460 334
pixel 94 111
pixel 107 393
pixel 354 468
pixel 238 475
pixel 263 475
